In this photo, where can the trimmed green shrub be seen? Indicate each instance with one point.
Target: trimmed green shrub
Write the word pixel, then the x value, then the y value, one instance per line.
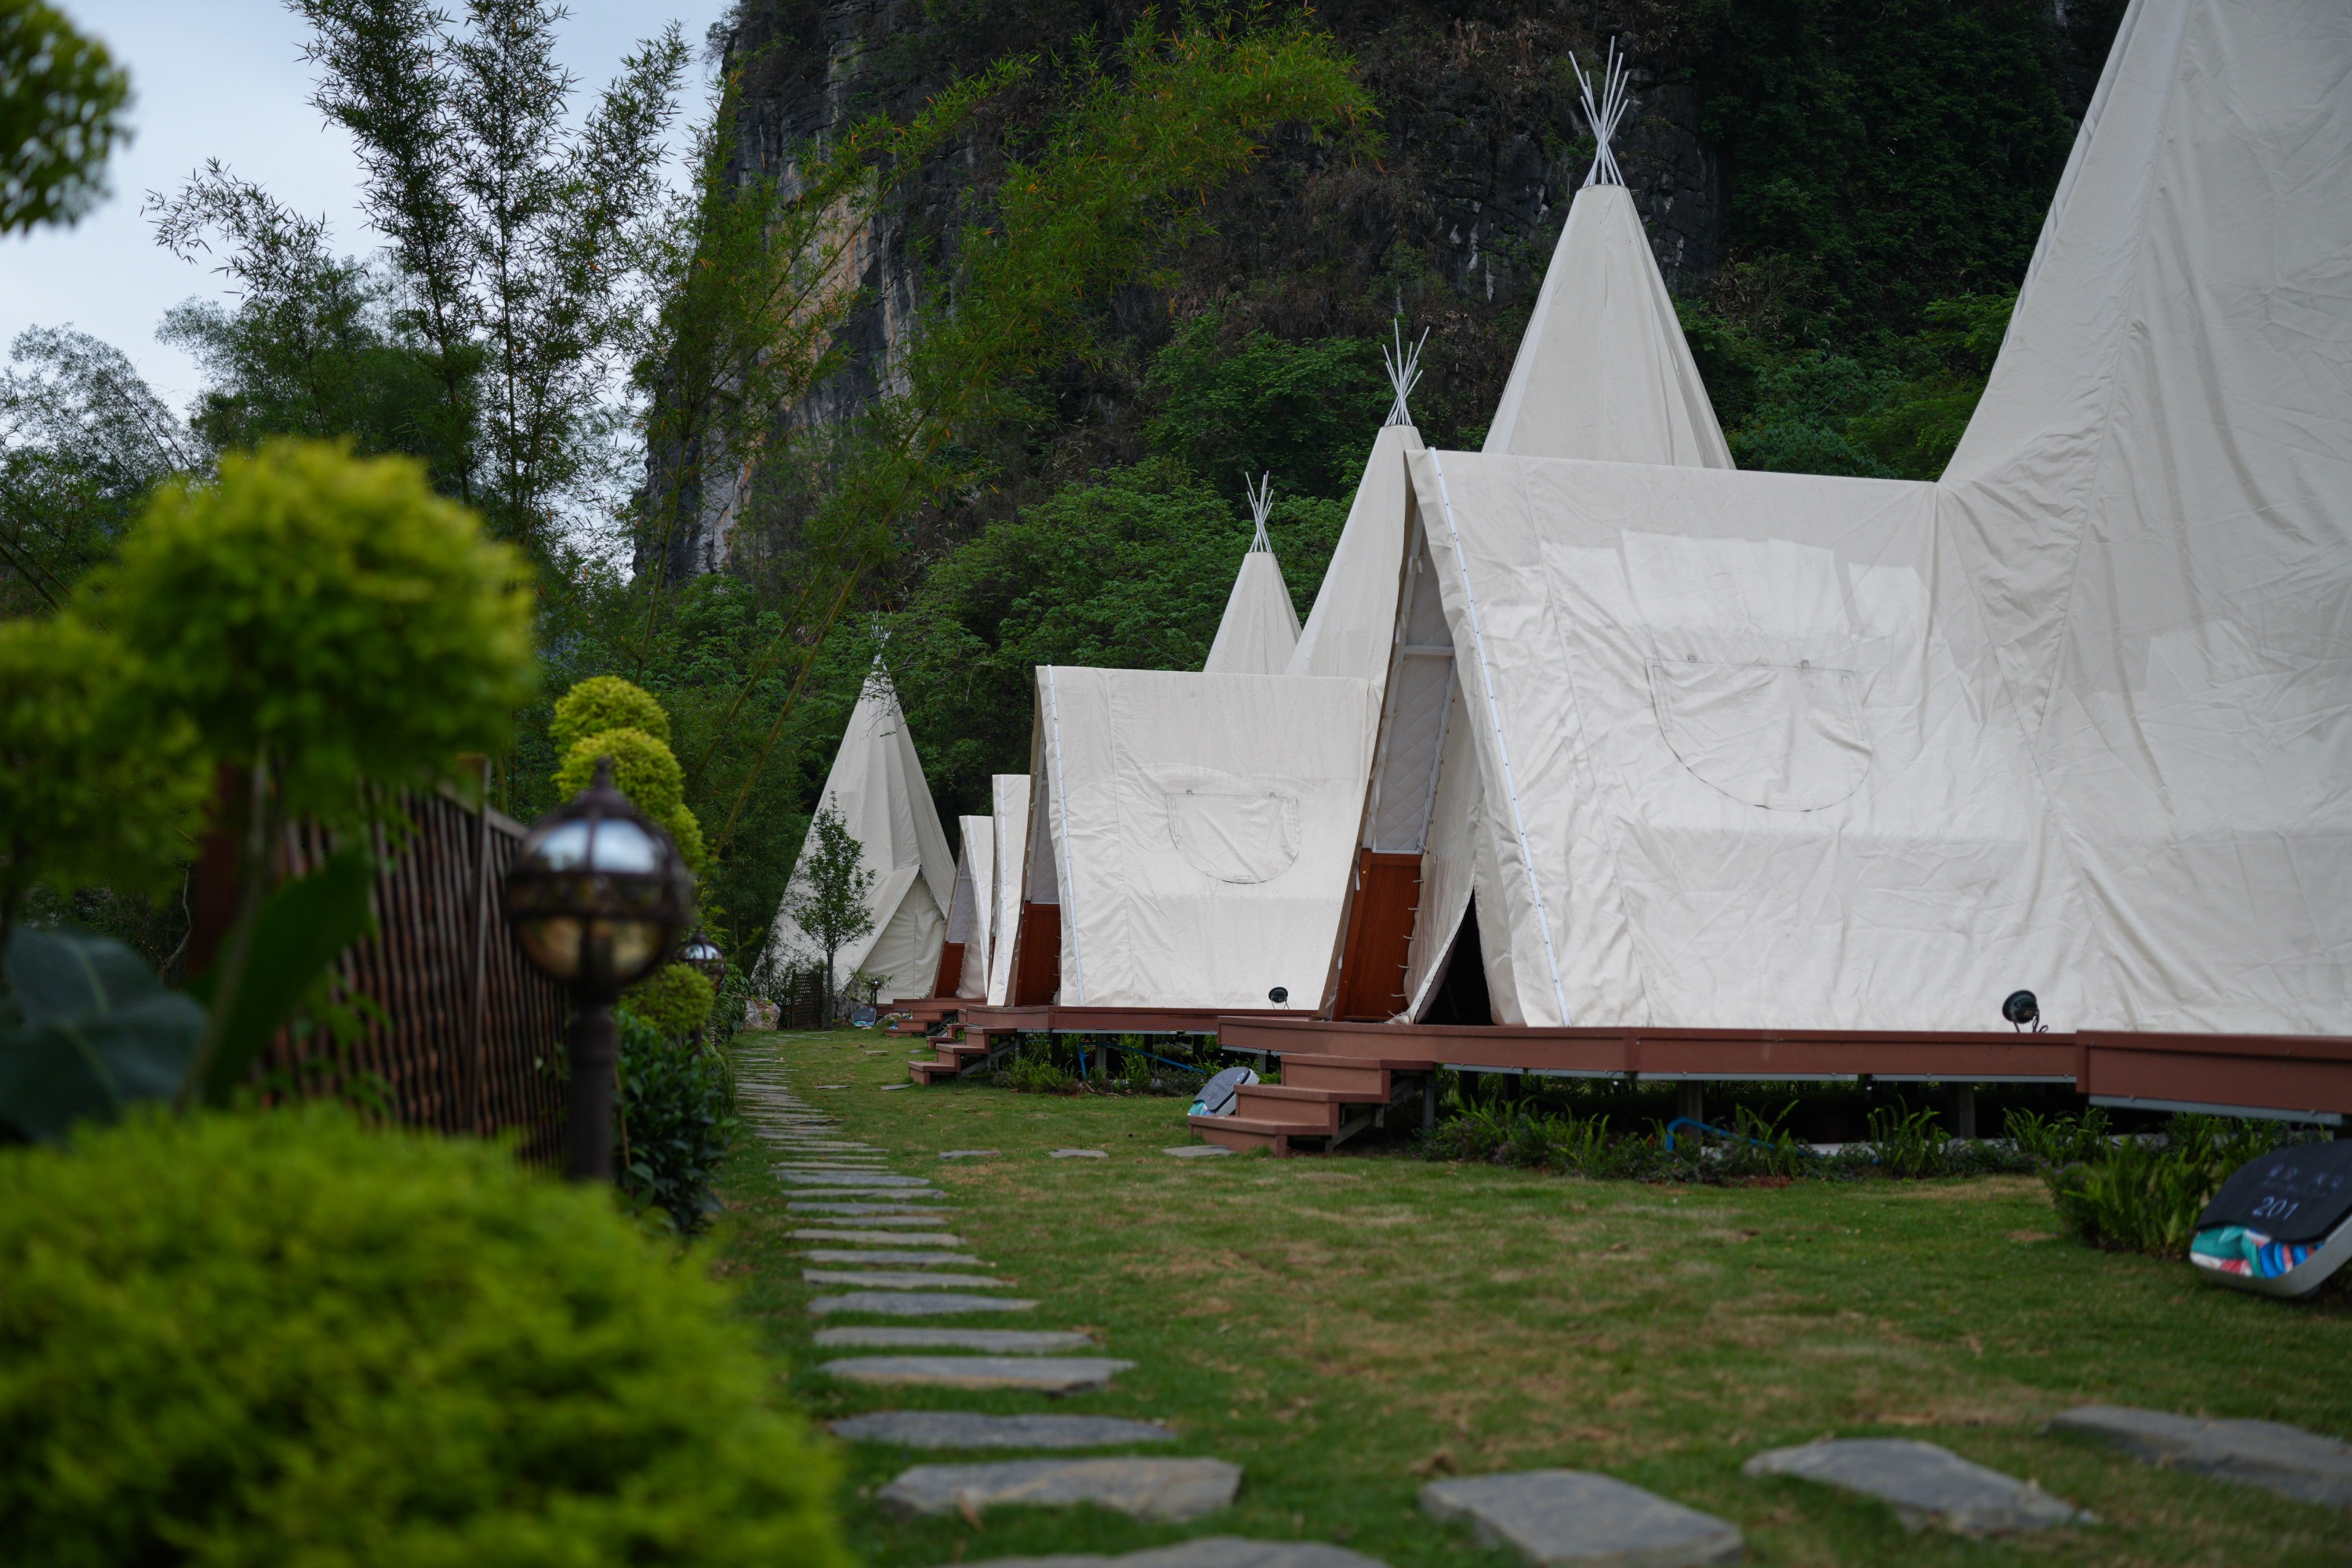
pixel 674 1000
pixel 605 702
pixel 687 832
pixel 281 1338
pixel 331 614
pixel 677 1123
pixel 643 769
pixel 2143 1194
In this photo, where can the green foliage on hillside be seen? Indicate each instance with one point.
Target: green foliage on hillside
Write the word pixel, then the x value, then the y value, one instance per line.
pixel 1234 405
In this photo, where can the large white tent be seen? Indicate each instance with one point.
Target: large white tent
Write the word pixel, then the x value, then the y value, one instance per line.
pixel 1194 831
pixel 1773 751
pixel 877 785
pixel 1009 801
pixel 1602 372
pixel 1260 627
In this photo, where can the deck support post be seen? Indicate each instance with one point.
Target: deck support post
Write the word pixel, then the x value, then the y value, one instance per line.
pixel 1963 1111
pixel 1429 1101
pixel 1690 1099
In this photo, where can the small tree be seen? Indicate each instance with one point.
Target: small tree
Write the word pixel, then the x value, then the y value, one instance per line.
pixel 827 895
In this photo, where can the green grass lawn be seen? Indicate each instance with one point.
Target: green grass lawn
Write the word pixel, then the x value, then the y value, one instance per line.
pixel 1346 1328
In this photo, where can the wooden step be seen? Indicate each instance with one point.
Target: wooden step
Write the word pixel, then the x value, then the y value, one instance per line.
pixel 1365 1079
pixel 1239 1133
pixel 1319 1108
pixel 932 1072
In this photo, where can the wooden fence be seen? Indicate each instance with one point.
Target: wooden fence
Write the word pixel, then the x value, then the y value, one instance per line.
pixel 460 1032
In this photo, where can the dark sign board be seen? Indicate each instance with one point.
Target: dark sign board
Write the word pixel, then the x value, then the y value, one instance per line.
pixel 2298 1193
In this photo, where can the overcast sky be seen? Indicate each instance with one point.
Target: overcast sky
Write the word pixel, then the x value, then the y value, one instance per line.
pixel 224 78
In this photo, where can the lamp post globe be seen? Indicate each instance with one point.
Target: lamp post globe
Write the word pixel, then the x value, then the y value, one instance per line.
pixel 702 953
pixel 597 897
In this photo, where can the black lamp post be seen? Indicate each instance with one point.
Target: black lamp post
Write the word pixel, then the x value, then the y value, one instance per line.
pixel 597 897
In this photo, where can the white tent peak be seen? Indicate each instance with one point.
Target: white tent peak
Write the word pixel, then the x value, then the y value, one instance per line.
pixel 1404 372
pixel 1261 500
pixel 1604 116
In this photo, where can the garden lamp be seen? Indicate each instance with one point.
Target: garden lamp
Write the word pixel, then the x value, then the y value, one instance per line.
pixel 597 896
pixel 702 953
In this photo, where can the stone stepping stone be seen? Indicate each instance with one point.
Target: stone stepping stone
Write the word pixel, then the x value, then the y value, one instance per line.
pixel 837 1255
pixel 967 1154
pixel 915 1303
pixel 879 1237
pixel 894 1088
pixel 2269 1454
pixel 1199 1151
pixel 1209 1551
pixel 1142 1489
pixel 1068 1374
pixel 993 1342
pixel 877 1214
pixel 851 1179
pixel 1579 1517
pixel 833 1086
pixel 1923 1483
pixel 961 1429
pixel 902 1279
pixel 1078 1154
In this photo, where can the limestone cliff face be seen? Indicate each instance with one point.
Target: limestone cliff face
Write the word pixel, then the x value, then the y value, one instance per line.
pixel 1483 147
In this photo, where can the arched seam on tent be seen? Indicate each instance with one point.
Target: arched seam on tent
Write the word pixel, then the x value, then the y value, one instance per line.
pixel 1502 747
pixel 1064 861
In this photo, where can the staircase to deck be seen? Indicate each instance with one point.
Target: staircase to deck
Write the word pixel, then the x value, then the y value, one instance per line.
pixel 952 1055
pixel 1321 1102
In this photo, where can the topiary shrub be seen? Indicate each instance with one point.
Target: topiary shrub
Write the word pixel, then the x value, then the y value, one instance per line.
pixel 686 831
pixel 674 1000
pixel 643 769
pixel 677 1121
pixel 605 702
pixel 283 1338
pixel 332 616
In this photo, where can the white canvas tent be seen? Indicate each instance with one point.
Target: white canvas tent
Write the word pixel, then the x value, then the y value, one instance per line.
pixel 975 913
pixel 1772 750
pixel 877 785
pixel 1009 819
pixel 1195 831
pixel 1260 627
pixel 1602 372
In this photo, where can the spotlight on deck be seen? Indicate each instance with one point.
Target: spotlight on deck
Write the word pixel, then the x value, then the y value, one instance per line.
pixel 2021 1010
pixel 1278 996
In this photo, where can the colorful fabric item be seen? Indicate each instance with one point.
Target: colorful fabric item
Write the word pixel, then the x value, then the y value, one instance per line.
pixel 2234 1250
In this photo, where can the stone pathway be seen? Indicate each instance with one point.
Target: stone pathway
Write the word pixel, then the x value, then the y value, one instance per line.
pixel 1925 1484
pixel 2269 1454
pixel 961 1429
pixel 1059 1374
pixel 1209 1551
pixel 1577 1517
pixel 1143 1488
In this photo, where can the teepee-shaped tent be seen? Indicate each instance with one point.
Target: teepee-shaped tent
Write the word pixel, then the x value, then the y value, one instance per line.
pixel 1603 369
pixel 1767 751
pixel 1348 629
pixel 1261 625
pixel 1602 372
pixel 877 785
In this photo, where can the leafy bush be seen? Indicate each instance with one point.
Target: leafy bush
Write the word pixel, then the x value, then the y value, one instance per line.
pixel 281 1338
pixel 333 616
pixel 2059 1140
pixel 674 1000
pixel 605 702
pixel 2143 1194
pixel 88 793
pixel 643 769
pixel 677 1123
pixel 1038 1075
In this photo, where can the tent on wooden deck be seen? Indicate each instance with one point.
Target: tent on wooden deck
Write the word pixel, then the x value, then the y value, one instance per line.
pixel 1260 628
pixel 1189 835
pixel 963 961
pixel 1774 751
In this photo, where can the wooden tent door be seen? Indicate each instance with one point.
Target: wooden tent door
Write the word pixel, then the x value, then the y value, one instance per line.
pixel 1380 936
